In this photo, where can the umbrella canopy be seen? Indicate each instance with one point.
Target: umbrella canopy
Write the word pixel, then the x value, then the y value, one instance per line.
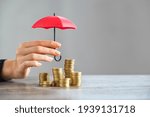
pixel 54 22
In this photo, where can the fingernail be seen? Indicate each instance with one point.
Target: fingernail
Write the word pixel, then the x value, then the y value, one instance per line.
pixel 57 52
pixel 49 59
pixel 58 44
pixel 39 64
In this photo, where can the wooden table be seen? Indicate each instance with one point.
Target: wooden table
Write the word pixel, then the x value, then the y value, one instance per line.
pixel 93 87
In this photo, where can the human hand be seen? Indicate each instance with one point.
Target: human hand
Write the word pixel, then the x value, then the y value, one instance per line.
pixel 29 54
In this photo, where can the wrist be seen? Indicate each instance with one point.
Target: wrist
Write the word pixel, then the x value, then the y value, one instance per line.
pixel 8 69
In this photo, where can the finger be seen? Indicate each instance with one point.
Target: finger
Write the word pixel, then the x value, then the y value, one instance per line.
pixel 45 43
pixel 28 64
pixel 39 50
pixel 37 57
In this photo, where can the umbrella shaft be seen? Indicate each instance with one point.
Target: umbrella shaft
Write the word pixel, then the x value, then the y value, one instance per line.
pixel 54 31
pixel 54 34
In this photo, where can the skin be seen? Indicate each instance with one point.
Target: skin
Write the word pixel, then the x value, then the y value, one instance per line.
pixel 28 55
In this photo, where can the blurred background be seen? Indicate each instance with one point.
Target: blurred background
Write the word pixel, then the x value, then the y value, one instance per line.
pixel 113 36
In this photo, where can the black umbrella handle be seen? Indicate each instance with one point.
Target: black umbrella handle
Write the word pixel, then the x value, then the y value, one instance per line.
pixel 57 59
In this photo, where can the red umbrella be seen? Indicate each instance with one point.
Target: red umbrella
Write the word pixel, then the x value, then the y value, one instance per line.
pixel 54 22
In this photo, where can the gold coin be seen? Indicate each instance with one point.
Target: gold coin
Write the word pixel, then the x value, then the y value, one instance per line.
pixel 61 78
pixel 57 73
pixel 43 79
pixel 64 82
pixel 76 78
pixel 68 67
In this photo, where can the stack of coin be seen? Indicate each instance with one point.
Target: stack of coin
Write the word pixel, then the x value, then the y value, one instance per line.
pixel 61 82
pixel 57 75
pixel 44 80
pixel 76 78
pixel 69 67
pixel 64 82
pixel 71 78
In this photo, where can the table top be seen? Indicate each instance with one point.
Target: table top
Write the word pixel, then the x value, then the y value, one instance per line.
pixel 94 87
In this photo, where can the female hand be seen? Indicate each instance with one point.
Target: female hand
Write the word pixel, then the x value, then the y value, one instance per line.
pixel 29 54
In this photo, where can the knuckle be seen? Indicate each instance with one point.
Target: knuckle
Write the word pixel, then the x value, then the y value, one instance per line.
pixel 38 49
pixel 25 64
pixel 53 51
pixel 17 51
pixel 35 63
pixel 51 42
pixel 33 56
pixel 22 44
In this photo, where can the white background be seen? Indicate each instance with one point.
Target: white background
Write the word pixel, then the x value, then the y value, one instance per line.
pixel 7 108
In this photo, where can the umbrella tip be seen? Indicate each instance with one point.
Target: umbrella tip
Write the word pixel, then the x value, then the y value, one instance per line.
pixel 54 14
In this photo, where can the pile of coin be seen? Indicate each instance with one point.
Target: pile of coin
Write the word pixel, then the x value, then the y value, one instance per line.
pixel 76 78
pixel 68 67
pixel 65 82
pixel 44 80
pixel 62 79
pixel 57 75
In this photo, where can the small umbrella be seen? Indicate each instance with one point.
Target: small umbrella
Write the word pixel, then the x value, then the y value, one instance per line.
pixel 54 22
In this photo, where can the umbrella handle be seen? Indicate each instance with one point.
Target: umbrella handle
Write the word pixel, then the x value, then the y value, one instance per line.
pixel 58 58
